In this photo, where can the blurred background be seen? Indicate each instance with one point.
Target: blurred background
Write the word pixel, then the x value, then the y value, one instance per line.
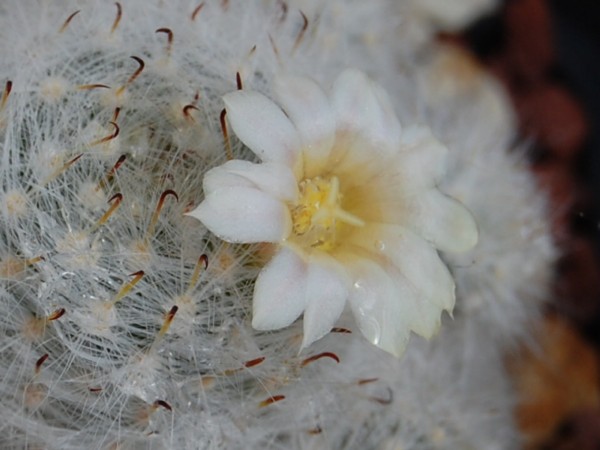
pixel 547 55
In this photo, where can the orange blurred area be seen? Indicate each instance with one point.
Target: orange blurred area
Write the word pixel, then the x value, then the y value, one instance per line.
pixel 557 380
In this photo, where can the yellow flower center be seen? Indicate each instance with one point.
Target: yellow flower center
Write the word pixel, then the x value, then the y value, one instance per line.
pixel 318 215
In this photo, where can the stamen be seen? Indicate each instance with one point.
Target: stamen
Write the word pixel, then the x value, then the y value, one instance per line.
pixel 334 191
pixel 271 400
pixel 317 215
pixel 169 33
pixel 135 74
pixel 68 21
pixel 202 262
pixel 95 389
pixel 319 356
pixel 137 276
pixel 39 362
pixel 116 114
pixel 197 9
pixel 238 81
pixel 117 18
pixel 315 430
pixel 110 137
pixel 156 213
pixel 348 218
pixel 5 94
pixel 228 152
pixel 302 31
pixel 116 202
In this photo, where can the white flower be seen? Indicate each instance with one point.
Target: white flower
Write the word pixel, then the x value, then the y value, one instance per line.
pixel 352 201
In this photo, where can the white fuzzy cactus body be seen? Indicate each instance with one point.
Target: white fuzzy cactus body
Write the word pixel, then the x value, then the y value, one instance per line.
pixel 118 333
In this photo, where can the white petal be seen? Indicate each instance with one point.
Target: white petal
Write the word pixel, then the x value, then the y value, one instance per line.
pixel 327 289
pixel 280 291
pixel 263 127
pixel 403 309
pixel 272 178
pixel 308 107
pixel 423 316
pixel 414 257
pixel 423 281
pixel 241 214
pixel 421 161
pixel 219 178
pixel 362 107
pixel 379 310
pixel 442 220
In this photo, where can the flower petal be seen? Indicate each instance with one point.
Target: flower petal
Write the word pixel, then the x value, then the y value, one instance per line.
pixel 379 310
pixel 327 289
pixel 308 107
pixel 441 220
pixel 413 311
pixel 424 316
pixel 280 291
pixel 272 178
pixel 263 127
pixel 421 161
pixel 242 214
pixel 218 178
pixel 423 281
pixel 362 107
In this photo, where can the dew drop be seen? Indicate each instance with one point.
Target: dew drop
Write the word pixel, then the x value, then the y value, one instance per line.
pixel 369 326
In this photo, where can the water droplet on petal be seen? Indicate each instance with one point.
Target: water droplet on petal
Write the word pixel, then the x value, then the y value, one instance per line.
pixel 371 330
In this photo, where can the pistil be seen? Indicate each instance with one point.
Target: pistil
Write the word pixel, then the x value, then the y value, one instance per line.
pixel 319 214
